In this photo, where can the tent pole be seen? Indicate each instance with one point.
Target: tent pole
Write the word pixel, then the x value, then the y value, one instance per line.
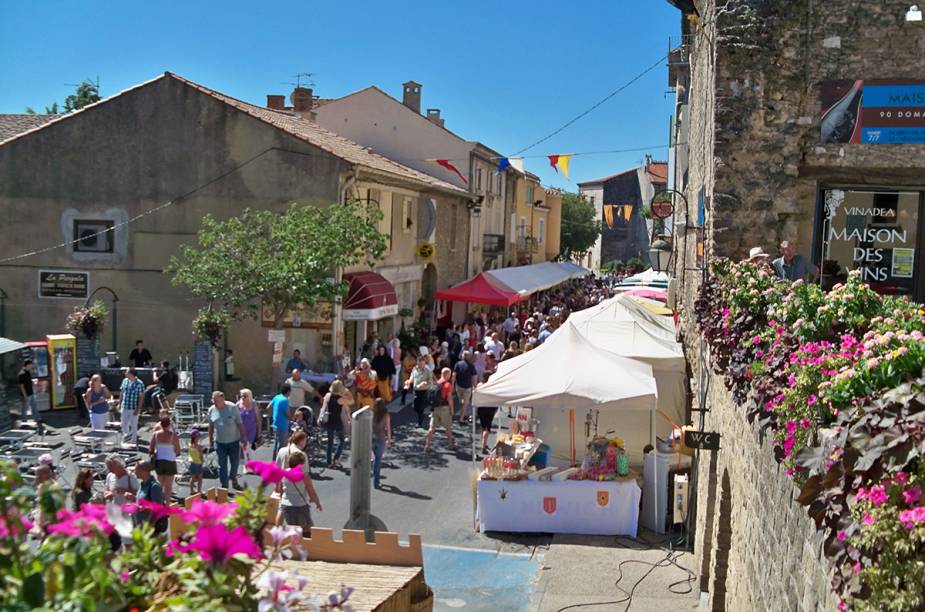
pixel 655 465
pixel 571 431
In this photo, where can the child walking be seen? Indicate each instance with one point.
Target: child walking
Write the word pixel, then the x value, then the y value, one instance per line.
pixel 195 463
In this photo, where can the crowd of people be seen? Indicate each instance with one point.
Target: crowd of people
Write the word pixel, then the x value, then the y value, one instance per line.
pixel 436 379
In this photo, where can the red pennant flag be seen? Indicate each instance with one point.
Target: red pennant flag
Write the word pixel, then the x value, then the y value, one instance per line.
pixel 554 162
pixel 446 164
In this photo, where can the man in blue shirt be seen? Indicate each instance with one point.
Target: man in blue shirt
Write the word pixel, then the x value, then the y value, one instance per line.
pixel 296 362
pixel 282 413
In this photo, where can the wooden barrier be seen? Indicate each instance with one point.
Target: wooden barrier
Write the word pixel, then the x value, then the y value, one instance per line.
pixel 353 548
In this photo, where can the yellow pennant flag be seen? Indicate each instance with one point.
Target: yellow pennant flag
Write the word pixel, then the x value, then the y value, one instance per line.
pixel 608 215
pixel 563 162
pixel 627 212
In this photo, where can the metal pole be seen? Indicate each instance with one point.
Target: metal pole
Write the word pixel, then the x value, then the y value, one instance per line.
pixel 361 443
pixel 115 320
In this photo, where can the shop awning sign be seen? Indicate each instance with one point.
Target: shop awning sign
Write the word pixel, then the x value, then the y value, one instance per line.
pixel 873 112
pixel 64 284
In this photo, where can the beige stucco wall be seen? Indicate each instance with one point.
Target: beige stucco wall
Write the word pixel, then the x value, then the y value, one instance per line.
pixel 130 155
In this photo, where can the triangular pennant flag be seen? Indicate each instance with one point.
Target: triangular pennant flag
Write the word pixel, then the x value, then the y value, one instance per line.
pixel 517 163
pixel 608 215
pixel 627 212
pixel 553 161
pixel 446 164
pixel 562 161
pixel 502 164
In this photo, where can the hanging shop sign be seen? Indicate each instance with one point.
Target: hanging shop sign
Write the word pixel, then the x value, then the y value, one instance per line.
pixel 64 284
pixel 662 203
pixel 318 316
pixel 426 251
pixel 873 112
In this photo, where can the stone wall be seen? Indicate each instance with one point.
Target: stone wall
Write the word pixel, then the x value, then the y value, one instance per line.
pixel 756 547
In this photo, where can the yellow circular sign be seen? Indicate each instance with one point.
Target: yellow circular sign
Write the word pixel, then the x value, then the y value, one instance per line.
pixel 426 251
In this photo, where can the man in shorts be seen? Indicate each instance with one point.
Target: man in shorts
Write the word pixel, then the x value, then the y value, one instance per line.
pixel 442 415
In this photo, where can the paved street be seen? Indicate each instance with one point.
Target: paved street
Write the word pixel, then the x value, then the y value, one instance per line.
pixel 431 494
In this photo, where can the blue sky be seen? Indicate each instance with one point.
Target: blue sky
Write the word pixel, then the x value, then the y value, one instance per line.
pixel 505 74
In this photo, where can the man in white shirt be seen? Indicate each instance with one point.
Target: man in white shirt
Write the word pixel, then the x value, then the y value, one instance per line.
pixel 495 346
pixel 301 389
pixel 509 326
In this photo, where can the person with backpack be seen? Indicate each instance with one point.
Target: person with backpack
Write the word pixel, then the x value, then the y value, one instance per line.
pixel 440 397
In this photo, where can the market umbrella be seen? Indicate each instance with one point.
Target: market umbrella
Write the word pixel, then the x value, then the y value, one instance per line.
pixel 652 294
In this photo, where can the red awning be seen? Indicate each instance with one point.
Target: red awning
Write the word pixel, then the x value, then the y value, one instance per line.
pixel 480 290
pixel 370 297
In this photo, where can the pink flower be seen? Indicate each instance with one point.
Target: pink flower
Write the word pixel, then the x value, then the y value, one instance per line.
pixel 909 518
pixel 88 522
pixel 842 536
pixel 789 471
pixel 124 576
pixel 877 495
pixel 791 427
pixel 14 524
pixel 788 445
pixel 208 513
pixel 791 380
pixel 805 423
pixel 868 519
pixel 157 511
pixel 812 399
pixel 911 496
pixel 216 543
pixel 756 340
pixel 857 567
pixel 270 473
pixel 901 478
pixel 175 546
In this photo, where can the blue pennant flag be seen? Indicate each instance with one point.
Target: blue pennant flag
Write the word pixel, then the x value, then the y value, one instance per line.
pixel 502 164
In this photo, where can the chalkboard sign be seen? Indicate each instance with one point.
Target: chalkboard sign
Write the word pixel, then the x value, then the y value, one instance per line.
pixel 88 355
pixel 202 368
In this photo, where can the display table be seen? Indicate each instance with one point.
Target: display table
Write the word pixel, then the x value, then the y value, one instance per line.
pixel 570 506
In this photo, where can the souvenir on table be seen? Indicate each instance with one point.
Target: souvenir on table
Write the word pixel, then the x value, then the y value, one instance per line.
pixel 605 460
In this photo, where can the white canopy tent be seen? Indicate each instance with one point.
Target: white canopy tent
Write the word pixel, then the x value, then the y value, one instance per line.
pixel 649 276
pixel 626 309
pixel 568 376
pixel 632 339
pixel 573 269
pixel 527 280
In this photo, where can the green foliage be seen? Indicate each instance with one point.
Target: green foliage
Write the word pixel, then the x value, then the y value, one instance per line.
pixel 635 265
pixel 580 227
pixel 87 92
pixel 278 260
pixel 209 324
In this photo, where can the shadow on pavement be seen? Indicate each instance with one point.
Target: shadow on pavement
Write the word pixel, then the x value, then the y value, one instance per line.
pixel 385 488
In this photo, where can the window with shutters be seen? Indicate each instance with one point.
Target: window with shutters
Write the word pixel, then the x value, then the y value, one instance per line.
pixel 542 231
pixel 407 214
pixel 513 228
pixel 478 180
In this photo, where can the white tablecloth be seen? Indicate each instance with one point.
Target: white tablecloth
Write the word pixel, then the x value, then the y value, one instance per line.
pixel 571 506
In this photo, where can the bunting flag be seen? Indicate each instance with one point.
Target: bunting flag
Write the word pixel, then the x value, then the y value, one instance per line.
pixel 560 162
pixel 517 163
pixel 446 164
pixel 502 164
pixel 627 212
pixel 608 215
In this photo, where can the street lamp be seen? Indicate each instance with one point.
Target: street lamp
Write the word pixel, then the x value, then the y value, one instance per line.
pixel 660 255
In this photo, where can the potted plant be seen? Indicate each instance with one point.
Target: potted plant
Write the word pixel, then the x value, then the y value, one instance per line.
pixel 87 320
pixel 209 323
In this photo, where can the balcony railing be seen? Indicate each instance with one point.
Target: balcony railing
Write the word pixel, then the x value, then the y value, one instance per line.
pixel 492 244
pixel 526 244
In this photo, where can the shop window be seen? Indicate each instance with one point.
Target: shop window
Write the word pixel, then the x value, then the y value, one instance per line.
pixel 876 232
pixel 93 236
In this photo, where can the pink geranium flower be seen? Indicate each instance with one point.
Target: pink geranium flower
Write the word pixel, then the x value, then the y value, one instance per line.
pixel 208 513
pixel 14 524
pixel 270 473
pixel 901 477
pixel 911 496
pixel 217 543
pixel 88 522
pixel 869 519
pixel 877 495
pixel 842 536
pixel 157 511
pixel 909 518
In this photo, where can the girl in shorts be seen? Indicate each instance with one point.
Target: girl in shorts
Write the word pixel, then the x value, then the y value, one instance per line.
pixel 195 463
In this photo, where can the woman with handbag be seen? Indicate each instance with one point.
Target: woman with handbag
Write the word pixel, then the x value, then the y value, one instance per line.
pixel 335 418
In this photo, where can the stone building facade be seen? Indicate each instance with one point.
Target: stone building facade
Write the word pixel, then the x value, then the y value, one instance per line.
pixel 797 121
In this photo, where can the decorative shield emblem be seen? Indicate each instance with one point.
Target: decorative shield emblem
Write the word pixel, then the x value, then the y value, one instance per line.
pixel 549 505
pixel 603 498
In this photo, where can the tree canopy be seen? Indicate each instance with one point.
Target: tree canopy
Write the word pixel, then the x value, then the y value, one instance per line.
pixel 87 92
pixel 580 226
pixel 278 260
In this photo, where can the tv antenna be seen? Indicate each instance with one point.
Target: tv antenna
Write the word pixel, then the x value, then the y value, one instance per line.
pixel 96 83
pixel 307 76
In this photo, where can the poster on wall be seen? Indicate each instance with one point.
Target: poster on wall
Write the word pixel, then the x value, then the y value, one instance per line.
pixel 903 260
pixel 873 112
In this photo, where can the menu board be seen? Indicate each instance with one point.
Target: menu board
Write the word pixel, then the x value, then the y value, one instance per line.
pixel 202 368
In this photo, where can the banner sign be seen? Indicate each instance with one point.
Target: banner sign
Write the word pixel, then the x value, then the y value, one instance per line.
pixel 64 284
pixel 873 112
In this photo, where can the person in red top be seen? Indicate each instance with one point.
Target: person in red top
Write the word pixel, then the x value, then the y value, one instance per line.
pixel 442 415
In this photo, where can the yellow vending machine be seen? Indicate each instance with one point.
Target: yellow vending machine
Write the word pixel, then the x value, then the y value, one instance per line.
pixel 62 370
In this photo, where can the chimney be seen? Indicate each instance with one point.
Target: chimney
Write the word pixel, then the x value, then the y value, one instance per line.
pixel 276 102
pixel 433 115
pixel 412 96
pixel 302 101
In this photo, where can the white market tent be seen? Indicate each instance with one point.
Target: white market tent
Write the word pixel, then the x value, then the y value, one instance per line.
pixel 527 280
pixel 573 269
pixel 632 339
pixel 567 378
pixel 626 309
pixel 648 277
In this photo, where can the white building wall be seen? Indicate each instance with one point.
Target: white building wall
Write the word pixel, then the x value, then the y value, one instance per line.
pixel 594 193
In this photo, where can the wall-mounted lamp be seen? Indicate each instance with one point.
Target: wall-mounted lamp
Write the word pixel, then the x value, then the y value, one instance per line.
pixel 914 15
pixel 660 255
pixel 475 205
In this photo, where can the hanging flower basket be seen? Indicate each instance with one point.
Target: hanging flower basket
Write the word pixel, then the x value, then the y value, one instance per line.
pixel 209 324
pixel 87 320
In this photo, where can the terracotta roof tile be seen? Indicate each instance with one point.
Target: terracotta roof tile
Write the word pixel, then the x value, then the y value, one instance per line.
pixel 316 135
pixel 12 125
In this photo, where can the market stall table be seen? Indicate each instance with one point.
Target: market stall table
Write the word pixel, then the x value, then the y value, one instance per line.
pixel 16 437
pixel 568 506
pixel 95 440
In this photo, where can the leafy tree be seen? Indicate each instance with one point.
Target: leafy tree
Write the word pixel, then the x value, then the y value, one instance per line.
pixel 278 260
pixel 87 92
pixel 580 227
